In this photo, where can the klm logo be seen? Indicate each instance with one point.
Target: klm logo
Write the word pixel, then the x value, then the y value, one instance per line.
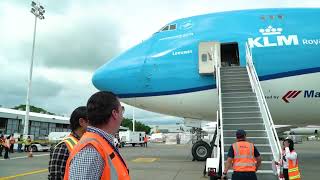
pixel 272 37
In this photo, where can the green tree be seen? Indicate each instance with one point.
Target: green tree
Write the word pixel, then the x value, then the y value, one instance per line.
pixel 32 109
pixel 139 126
pixel 127 123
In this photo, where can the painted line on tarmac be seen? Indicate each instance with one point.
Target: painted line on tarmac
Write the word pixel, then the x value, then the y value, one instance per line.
pixel 145 160
pixel 24 174
pixel 23 157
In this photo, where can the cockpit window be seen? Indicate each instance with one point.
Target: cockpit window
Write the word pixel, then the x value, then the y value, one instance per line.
pixel 166 28
pixel 173 26
pixel 169 27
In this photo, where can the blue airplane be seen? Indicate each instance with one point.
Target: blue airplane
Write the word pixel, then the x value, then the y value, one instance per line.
pixel 161 74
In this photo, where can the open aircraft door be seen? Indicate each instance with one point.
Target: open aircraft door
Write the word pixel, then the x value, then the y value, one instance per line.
pixel 209 54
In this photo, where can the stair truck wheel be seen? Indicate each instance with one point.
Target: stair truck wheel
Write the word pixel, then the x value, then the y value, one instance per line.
pixel 201 150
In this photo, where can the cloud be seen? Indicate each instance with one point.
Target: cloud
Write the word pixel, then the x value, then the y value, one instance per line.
pixel 71 42
pixel 76 89
pixel 78 36
pixel 14 85
pixel 81 41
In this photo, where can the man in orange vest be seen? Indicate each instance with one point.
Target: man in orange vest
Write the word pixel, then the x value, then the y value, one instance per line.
pixel 244 157
pixel 291 156
pixel 7 147
pixel 59 155
pixel 12 141
pixel 95 156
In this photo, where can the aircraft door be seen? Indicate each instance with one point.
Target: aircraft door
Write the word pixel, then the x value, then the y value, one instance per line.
pixel 209 54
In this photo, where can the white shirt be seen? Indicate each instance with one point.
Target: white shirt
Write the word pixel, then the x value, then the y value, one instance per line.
pixel 288 155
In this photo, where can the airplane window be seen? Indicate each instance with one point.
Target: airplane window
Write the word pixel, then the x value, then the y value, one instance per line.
pixel 173 26
pixel 204 57
pixel 165 28
pixel 168 28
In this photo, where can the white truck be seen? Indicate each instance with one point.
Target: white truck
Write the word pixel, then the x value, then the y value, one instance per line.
pixel 130 137
pixel 158 137
pixel 55 137
pixel 35 146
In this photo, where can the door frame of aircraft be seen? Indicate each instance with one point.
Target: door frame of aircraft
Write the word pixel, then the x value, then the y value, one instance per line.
pixel 230 54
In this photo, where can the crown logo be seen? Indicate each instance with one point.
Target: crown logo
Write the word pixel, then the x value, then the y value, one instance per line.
pixel 270 31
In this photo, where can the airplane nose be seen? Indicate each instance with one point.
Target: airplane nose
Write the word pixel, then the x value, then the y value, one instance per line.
pixel 105 77
pixel 123 74
pixel 115 76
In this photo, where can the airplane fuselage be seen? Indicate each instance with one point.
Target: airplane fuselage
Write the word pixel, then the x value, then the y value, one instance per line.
pixel 161 74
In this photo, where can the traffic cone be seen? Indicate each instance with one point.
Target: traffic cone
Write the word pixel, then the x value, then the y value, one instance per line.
pixel 30 153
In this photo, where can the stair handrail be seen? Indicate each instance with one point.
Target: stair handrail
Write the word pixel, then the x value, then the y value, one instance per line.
pixel 275 146
pixel 218 85
pixel 217 142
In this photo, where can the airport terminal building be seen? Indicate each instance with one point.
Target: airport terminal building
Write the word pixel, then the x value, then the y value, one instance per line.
pixel 40 125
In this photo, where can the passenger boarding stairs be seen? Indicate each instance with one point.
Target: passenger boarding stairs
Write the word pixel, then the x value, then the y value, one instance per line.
pixel 242 105
pixel 240 110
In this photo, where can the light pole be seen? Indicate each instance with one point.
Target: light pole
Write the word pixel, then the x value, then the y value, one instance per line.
pixel 37 10
pixel 133 121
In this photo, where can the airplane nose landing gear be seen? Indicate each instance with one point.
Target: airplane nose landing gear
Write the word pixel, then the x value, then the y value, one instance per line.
pixel 201 150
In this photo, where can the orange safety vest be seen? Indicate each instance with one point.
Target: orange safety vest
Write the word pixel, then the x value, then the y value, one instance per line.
pixel 12 140
pixel 7 143
pixel 293 169
pixel 115 167
pixel 71 142
pixel 145 139
pixel 244 160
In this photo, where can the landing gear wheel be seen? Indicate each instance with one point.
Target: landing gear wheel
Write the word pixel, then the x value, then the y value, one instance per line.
pixel 201 151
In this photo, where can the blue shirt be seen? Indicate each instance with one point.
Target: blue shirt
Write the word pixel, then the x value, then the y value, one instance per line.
pixel 88 164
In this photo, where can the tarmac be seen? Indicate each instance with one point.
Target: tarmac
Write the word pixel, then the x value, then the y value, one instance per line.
pixel 157 162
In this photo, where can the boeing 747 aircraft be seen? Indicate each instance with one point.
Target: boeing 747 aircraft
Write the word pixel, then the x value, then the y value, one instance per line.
pixel 244 69
pixel 161 74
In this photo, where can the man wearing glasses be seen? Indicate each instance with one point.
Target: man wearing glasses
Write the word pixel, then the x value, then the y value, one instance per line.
pixel 95 156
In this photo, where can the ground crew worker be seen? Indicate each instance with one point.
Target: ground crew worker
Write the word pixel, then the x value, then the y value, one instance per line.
pixel 2 140
pixel 7 147
pixel 12 141
pixel 20 142
pixel 59 155
pixel 27 144
pixel 95 156
pixel 244 157
pixel 291 156
pixel 145 140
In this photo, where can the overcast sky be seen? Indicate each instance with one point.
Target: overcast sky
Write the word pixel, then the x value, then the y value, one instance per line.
pixel 78 36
